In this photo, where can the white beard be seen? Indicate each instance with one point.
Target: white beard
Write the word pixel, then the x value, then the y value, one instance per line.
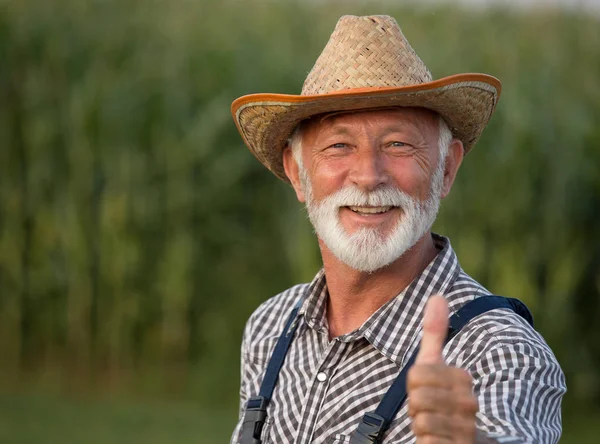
pixel 368 249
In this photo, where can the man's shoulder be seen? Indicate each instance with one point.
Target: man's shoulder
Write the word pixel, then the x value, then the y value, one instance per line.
pixel 500 324
pixel 280 305
pixel 497 329
pixel 466 289
pixel 270 317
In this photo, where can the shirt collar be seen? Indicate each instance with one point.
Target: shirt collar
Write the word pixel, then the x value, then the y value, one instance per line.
pixel 394 326
pixel 315 303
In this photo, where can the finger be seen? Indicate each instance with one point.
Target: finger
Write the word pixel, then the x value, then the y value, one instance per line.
pixel 466 405
pixel 464 429
pixel 462 382
pixel 461 378
pixel 432 439
pixel 435 376
pixel 433 424
pixel 430 400
pixel 440 375
pixel 435 330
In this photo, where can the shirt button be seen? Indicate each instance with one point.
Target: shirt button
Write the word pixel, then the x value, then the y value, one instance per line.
pixel 321 376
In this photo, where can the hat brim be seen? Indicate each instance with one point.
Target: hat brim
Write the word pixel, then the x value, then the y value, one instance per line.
pixel 265 121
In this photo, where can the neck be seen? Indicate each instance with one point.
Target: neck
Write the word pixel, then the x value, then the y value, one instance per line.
pixel 354 295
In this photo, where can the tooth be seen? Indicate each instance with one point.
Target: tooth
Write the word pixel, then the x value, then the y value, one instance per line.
pixel 370 210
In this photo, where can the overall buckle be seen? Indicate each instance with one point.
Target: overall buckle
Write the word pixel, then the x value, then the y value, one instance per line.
pixel 254 420
pixel 370 430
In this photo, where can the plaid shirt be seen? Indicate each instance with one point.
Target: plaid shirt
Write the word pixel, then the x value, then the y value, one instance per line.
pixel 325 386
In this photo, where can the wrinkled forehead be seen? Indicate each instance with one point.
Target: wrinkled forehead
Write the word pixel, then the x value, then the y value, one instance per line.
pixel 421 118
pixel 421 122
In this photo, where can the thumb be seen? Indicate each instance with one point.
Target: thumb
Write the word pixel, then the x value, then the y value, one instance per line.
pixel 435 330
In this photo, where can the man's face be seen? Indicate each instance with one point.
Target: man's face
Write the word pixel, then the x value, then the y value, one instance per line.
pixel 372 182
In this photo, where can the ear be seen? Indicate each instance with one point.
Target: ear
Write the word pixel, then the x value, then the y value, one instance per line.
pixel 293 172
pixel 454 158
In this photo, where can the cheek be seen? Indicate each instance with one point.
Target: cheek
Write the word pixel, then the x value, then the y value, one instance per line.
pixel 412 178
pixel 329 175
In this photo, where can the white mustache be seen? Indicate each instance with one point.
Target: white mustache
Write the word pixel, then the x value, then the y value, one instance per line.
pixel 351 196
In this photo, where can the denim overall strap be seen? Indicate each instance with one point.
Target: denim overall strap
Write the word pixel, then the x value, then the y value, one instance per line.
pixel 255 413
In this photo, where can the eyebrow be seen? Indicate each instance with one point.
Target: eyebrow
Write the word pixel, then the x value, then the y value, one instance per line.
pixel 343 128
pixel 397 129
pixel 339 129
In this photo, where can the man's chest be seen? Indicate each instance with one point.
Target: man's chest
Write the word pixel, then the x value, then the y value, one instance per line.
pixel 324 389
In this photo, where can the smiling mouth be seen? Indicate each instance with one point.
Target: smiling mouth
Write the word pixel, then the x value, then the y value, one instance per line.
pixel 370 210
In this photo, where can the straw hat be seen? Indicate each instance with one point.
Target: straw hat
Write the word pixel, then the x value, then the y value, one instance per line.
pixel 367 63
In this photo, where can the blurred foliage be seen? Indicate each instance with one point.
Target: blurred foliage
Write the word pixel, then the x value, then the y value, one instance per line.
pixel 34 419
pixel 137 234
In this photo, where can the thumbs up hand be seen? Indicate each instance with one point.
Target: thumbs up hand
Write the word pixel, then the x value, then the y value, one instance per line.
pixel 440 398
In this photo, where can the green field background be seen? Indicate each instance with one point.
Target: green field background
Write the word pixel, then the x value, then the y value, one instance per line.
pixel 137 233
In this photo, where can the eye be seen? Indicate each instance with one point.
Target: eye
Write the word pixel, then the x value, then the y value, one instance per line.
pixel 397 144
pixel 338 145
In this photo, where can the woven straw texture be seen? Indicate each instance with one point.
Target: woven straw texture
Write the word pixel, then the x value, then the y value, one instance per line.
pixel 367 63
pixel 365 52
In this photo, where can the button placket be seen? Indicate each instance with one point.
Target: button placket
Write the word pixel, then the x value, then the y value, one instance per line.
pixel 318 391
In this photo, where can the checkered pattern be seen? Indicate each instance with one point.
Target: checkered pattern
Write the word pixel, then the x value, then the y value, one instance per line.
pixel 326 386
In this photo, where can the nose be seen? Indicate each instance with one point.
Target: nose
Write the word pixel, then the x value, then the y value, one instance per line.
pixel 368 170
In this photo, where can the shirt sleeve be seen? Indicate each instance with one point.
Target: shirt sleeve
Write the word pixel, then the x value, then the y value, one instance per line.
pixel 243 381
pixel 519 385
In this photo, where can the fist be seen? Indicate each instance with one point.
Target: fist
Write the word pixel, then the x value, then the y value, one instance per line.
pixel 440 398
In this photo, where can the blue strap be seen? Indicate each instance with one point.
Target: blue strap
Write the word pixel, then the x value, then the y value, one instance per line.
pixel 374 424
pixel 255 414
pixel 483 304
pixel 278 356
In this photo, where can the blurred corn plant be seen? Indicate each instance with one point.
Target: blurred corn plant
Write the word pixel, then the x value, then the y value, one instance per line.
pixel 137 233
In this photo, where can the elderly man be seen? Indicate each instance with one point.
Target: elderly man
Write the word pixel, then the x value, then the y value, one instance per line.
pixel 392 341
